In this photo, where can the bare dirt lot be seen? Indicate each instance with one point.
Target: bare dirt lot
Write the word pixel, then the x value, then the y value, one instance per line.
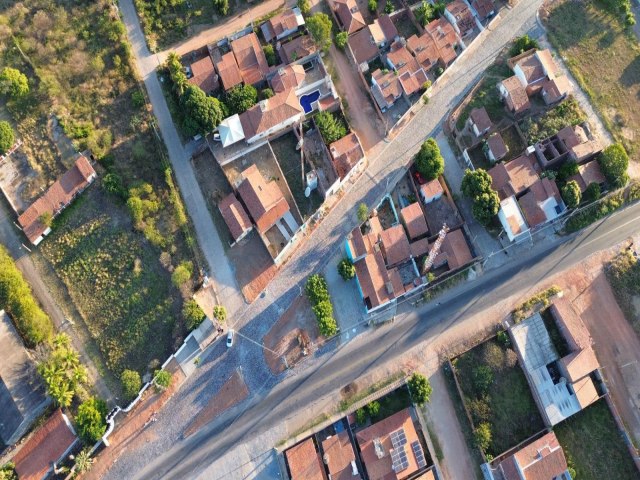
pixel 295 329
pixel 231 393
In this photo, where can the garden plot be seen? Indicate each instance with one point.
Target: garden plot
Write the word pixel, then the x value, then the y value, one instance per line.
pixel 496 393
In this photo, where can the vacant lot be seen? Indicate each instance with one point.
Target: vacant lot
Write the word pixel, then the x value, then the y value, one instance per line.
pixel 496 392
pixel 604 58
pixel 486 95
pixel 593 445
pixel 116 281
pixel 624 275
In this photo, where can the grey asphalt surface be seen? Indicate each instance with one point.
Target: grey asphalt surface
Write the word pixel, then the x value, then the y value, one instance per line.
pixel 176 458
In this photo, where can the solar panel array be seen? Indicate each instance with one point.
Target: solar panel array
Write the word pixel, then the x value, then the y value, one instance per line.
pixel 399 459
pixel 419 454
pixel 398 438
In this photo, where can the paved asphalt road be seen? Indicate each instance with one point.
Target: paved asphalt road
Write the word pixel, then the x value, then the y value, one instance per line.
pixel 421 326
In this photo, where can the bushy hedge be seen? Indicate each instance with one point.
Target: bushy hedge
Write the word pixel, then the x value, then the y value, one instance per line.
pixel 318 295
pixel 16 298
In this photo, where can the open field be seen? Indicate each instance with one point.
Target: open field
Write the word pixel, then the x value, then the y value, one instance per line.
pixel 604 58
pixel 624 275
pixel 116 281
pixel 496 391
pixel 593 446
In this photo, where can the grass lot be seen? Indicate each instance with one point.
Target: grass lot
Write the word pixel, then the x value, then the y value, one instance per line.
pixel 604 57
pixel 513 141
pixel 552 121
pixel 593 445
pixel 624 276
pixel 506 403
pixel 392 403
pixel 486 96
pixel 116 281
pixel 284 148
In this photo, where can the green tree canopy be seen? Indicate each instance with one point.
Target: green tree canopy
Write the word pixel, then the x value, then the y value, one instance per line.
pixel 91 420
pixel 131 383
pixel 485 207
pixel 220 313
pixel 614 162
pixel 363 212
pixel 475 182
pixel 202 113
pixel 62 372
pixel 425 13
pixel 304 6
pixel 372 5
pixel 592 193
pixel 482 436
pixel 7 138
pixel 182 274
pixel 571 194
pixel 420 389
pixel 331 128
pixel 13 82
pixel 162 379
pixel 346 269
pixel 324 315
pixel 341 40
pixel 522 44
pixel 176 72
pixel 192 314
pixel 241 98
pixel 222 6
pixel 320 26
pixel 429 161
pixel 270 53
pixel 316 289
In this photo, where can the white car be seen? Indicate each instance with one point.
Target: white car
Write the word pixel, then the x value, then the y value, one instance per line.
pixel 230 335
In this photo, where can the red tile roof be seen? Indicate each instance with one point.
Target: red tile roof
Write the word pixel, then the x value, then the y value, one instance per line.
pixel 298 48
pixel 338 455
pixel 517 98
pixel 265 202
pixel 540 460
pixel 414 220
pixel 288 77
pixel 456 249
pixel 410 74
pixel 419 248
pixel 281 23
pixel 380 468
pixel 270 113
pixel 462 14
pixel 533 214
pixel 373 278
pixel 483 7
pixel 56 198
pixel 480 118
pixel 234 216
pixel 395 245
pixel 346 153
pixel 44 447
pixel 363 46
pixel 432 189
pixel 514 177
pixel 497 146
pixel 250 57
pixel 229 72
pixel 425 50
pixel 388 86
pixel 530 65
pixel 587 174
pixel 349 15
pixel 304 462
pixel 204 75
pixel 445 37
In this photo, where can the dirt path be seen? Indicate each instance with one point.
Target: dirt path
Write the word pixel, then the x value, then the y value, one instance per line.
pixel 440 412
pixel 361 113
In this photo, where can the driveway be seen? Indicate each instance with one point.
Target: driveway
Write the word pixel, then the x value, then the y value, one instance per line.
pixel 219 267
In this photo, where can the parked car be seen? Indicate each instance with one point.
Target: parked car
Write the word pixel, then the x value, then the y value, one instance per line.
pixel 230 335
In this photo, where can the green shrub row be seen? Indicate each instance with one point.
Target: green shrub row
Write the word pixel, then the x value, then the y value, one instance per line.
pixel 318 295
pixel 16 298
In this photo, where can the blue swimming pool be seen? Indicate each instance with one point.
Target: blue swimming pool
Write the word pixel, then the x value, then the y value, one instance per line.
pixel 308 99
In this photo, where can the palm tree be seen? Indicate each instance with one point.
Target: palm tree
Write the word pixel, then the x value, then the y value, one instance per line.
pixel 83 461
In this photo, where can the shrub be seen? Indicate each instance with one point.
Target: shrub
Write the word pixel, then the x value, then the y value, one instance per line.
pixel 241 98
pixel 137 99
pixel 46 218
pixel 112 183
pixel 571 194
pixel 162 379
pixel 346 269
pixel 361 416
pixel 566 171
pixel 493 356
pixel 475 182
pixel 220 313
pixel 222 6
pixel 182 274
pixel 6 137
pixel 270 53
pixel 388 7
pixel 16 298
pixel 266 93
pixel 373 6
pixel 13 83
pixel 592 193
pixel 522 44
pixel 91 420
pixel 485 207
pixel 319 26
pixel 482 378
pixel 324 315
pixel 8 471
pixel 373 408
pixel 420 389
pixel 503 339
pixel 304 6
pixel 341 40
pixel 426 85
pixel 62 372
pixel 131 383
pixel 331 128
pixel 482 436
pixel 614 162
pixel 316 289
pixel 429 161
pixel 192 314
pixel 479 409
pixel 363 212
